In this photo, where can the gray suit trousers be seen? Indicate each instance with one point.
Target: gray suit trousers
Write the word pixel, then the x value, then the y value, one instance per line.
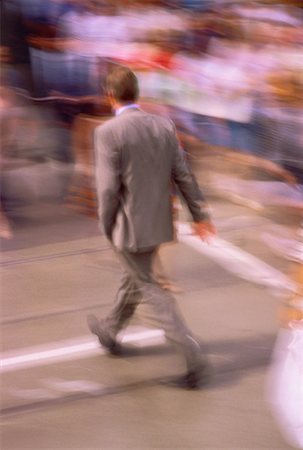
pixel 138 285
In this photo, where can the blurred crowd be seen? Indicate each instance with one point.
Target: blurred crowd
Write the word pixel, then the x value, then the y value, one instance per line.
pixel 231 70
pixel 229 73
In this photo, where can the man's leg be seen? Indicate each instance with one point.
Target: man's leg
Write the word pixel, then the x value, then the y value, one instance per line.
pixel 139 284
pixel 127 299
pixel 164 310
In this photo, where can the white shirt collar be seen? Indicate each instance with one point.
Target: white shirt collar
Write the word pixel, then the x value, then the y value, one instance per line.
pixel 123 108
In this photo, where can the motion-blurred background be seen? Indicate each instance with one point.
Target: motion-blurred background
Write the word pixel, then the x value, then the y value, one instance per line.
pixel 230 75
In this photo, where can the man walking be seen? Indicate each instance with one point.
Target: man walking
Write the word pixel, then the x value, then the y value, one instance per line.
pixel 137 156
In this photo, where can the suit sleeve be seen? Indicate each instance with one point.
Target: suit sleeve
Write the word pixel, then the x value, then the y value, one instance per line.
pixel 186 182
pixel 108 178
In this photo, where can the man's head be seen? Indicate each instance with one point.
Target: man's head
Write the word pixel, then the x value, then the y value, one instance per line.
pixel 122 86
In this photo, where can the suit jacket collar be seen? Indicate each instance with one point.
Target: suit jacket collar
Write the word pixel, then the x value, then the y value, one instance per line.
pixel 127 108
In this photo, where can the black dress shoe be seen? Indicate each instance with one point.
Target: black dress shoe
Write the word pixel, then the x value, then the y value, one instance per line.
pixel 105 340
pixel 193 379
pixel 197 378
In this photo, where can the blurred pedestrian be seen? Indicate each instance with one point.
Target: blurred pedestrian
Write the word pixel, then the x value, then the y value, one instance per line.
pixel 137 155
pixel 285 377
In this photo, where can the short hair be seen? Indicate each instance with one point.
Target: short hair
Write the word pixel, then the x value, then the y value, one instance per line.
pixel 122 84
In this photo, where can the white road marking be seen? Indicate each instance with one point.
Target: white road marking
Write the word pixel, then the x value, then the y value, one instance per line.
pixel 55 387
pixel 33 394
pixel 237 261
pixel 232 258
pixel 58 384
pixel 65 350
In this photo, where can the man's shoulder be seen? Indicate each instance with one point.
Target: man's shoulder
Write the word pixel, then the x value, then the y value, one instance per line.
pixel 163 121
pixel 106 126
pixel 116 123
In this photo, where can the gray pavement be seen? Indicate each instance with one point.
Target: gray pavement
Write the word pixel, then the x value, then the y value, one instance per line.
pixel 57 269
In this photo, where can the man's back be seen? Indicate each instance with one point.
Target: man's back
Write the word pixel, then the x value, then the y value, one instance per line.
pixel 143 147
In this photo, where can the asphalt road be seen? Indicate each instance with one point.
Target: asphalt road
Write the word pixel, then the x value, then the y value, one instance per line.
pixel 61 391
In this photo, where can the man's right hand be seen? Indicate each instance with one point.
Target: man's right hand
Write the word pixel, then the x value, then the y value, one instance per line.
pixel 204 229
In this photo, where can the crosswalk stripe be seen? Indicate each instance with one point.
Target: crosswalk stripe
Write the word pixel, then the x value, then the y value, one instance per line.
pixel 65 350
pixel 237 261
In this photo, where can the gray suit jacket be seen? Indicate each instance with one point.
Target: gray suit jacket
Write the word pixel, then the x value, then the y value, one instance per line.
pixel 137 155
